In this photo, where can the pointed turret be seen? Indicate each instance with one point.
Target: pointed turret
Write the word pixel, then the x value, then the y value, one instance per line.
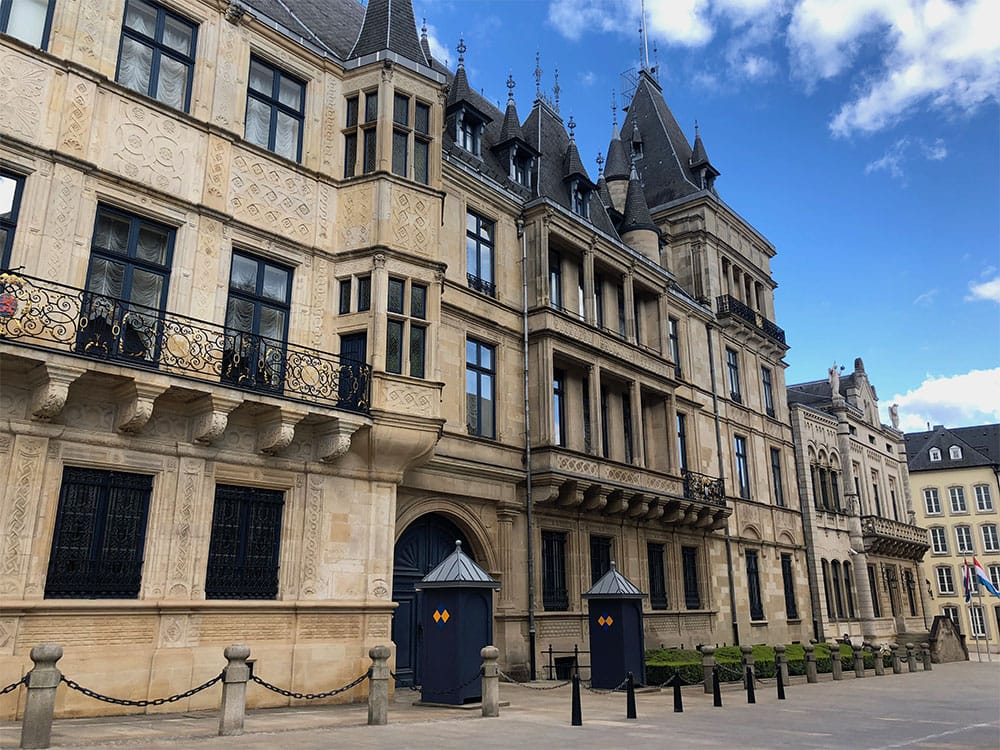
pixel 637 228
pixel 425 44
pixel 511 127
pixel 389 26
pixel 465 119
pixel 602 185
pixel 700 163
pixel 511 147
pixel 573 163
pixel 616 172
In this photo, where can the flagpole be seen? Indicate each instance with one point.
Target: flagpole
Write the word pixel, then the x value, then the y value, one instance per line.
pixel 967 586
pixel 982 610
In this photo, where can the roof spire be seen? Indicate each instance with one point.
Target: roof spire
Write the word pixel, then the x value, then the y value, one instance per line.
pixel 461 51
pixel 614 111
pixel 510 86
pixel 538 75
pixel 600 164
pixel 556 89
pixel 572 126
pixel 389 25
pixel 645 41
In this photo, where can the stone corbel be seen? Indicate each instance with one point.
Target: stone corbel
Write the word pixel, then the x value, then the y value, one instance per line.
pixel 704 519
pixel 655 510
pixel 691 517
pixel 595 498
pixel 49 388
pixel 719 522
pixel 638 505
pixel 135 405
pixel 570 495
pixel 672 512
pixel 617 503
pixel 210 422
pixel 334 440
pixel 276 429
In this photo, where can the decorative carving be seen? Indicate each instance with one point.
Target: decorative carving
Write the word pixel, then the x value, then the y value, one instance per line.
pixel 23 94
pixel 89 33
pixel 271 197
pixel 154 149
pixel 311 538
pixel 5 443
pixel 378 260
pixel 8 631
pixel 209 424
pixel 173 629
pixel 21 491
pixel 321 281
pixel 50 389
pixel 409 400
pixel 275 432
pixel 228 75
pixel 77 130
pixel 234 11
pixel 333 440
pixel 380 588
pixel 410 223
pixel 217 164
pixel 356 217
pixel 180 574
pixel 135 405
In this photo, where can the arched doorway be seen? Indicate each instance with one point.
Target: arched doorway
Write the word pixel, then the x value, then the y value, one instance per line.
pixel 425 543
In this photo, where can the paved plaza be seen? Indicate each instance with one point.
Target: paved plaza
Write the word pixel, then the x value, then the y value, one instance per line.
pixel 954 706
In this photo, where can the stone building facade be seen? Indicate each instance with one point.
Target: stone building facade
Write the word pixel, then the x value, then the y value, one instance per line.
pixel 863 543
pixel 254 250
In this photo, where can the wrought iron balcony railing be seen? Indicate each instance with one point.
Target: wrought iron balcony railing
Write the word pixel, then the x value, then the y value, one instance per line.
pixel 48 315
pixel 704 488
pixel 480 285
pixel 726 304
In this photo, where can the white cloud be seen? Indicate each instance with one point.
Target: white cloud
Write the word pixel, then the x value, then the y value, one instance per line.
pixel 438 50
pixel 984 290
pixel 588 78
pixel 935 151
pixel 903 150
pixel 926 299
pixel 955 401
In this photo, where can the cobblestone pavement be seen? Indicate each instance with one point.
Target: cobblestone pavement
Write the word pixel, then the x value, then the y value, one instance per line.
pixel 953 706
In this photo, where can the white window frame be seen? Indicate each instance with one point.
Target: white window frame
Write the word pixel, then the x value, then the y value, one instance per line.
pixel 952 613
pixel 932 501
pixel 984 499
pixel 991 543
pixel 963 540
pixel 994 573
pixel 956 495
pixel 939 540
pixel 945 579
pixel 955 453
pixel 977 622
pixel 934 454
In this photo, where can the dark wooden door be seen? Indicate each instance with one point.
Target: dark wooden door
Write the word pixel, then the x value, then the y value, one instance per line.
pixel 353 355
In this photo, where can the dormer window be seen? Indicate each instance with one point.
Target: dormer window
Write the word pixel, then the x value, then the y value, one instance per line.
pixel 955 453
pixel 469 132
pixel 520 167
pixel 580 199
pixel 934 454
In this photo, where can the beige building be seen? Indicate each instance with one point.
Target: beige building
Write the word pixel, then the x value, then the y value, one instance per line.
pixel 286 298
pixel 863 543
pixel 954 475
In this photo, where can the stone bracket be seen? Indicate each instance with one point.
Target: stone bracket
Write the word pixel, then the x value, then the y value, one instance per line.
pixel 210 423
pixel 135 404
pixel 276 429
pixel 333 439
pixel 49 388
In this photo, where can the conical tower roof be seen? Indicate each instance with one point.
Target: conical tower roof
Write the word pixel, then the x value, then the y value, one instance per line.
pixel 510 130
pixel 636 214
pixel 389 26
pixel 617 164
pixel 698 154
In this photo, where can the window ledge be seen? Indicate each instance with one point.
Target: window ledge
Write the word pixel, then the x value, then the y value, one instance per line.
pixel 758 623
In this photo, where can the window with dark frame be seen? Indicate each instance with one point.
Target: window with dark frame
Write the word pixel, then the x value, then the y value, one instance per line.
pixel 657 576
pixel 682 455
pixel 910 584
pixel 675 345
pixel 479 253
pixel 753 586
pixel 555 597
pixel 360 129
pixel 827 592
pixel 599 299
pixel 605 433
pixel 627 427
pixel 779 490
pixel 838 594
pixel 689 566
pixel 555 279
pixel 243 553
pixel 788 581
pixel 406 331
pixel 27 20
pixel 873 588
pixel 99 535
pixel 559 408
pixel 765 379
pixel 621 309
pixel 742 465
pixel 11 187
pixel 275 110
pixel 733 370
pixel 157 52
pixel 588 444
pixel 479 374
pixel 849 589
pixel 600 557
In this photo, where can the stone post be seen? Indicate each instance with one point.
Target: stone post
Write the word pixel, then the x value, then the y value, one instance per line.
pixel 897 666
pixel 491 681
pixel 911 657
pixel 44 678
pixel 836 665
pixel 234 690
pixel 781 662
pixel 748 664
pixel 879 661
pixel 810 651
pixel 707 665
pixel 859 661
pixel 378 686
pixel 925 652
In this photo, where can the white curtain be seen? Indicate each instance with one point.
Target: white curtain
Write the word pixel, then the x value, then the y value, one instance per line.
pixel 27 20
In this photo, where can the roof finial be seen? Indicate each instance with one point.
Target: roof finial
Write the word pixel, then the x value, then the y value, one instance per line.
pixel 696 128
pixel 556 89
pixel 423 29
pixel 600 164
pixel 572 126
pixel 461 51
pixel 614 109
pixel 538 74
pixel 510 86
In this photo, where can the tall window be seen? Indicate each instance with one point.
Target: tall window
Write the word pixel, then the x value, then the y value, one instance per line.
pixel 742 466
pixel 753 586
pixel 256 323
pixel 600 557
pixel 410 133
pixel 627 427
pixel 876 603
pixel 733 370
pixel 479 374
pixel 581 307
pixel 946 584
pixel 97 545
pixel 479 253
pixel 689 565
pixel 559 407
pixel 952 614
pixel 827 593
pixel 605 434
pixel 990 543
pixel 939 540
pixel 932 503
pixel 27 20
pixel 984 501
pixel 361 127
pixel 875 495
pixel 588 440
pixel 126 287
pixel 779 490
pixel 673 337
pixel 555 279
pixel 957 496
pixel 994 573
pixel 11 186
pixel 835 489
pixel 599 299
pixel 765 380
pixel 555 597
pixel 275 110
pixel 355 294
pixel 977 621
pixel 657 577
pixel 838 597
pixel 406 331
pixel 469 132
pixel 157 53
pixel 788 579
pixel 910 585
pixel 849 589
pixel 682 455
pixel 246 536
pixel 621 310
pixel 963 537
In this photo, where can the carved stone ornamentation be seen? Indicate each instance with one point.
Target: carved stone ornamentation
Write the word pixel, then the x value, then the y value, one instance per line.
pixel 51 384
pixel 135 405
pixel 154 149
pixel 271 196
pixel 334 440
pixel 276 430
pixel 210 422
pixel 24 93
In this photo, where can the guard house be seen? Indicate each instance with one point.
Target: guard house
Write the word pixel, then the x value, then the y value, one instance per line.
pixel 616 638
pixel 457 621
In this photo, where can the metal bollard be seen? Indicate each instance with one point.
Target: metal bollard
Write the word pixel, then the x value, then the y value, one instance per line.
pixel 716 689
pixel 751 693
pixel 859 661
pixel 678 703
pixel 836 664
pixel 897 666
pixel 925 652
pixel 781 684
pixel 491 681
pixel 810 652
pixel 911 657
pixel 234 690
pixel 781 662
pixel 707 666
pixel 44 678
pixel 577 717
pixel 378 686
pixel 748 663
pixel 629 696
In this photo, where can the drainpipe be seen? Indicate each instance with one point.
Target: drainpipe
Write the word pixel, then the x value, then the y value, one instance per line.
pixel 722 478
pixel 527 449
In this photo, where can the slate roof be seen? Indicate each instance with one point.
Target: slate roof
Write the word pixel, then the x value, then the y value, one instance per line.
pixel 980 447
pixel 617 167
pixel 636 215
pixel 510 129
pixel 699 156
pixel 613 585
pixel 389 25
pixel 817 392
pixel 458 570
pixel 333 24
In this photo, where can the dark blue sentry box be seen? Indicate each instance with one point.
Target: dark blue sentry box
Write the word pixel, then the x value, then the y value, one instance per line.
pixel 616 638
pixel 457 621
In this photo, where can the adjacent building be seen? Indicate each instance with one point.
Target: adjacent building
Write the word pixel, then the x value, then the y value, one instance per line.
pixel 954 476
pixel 287 308
pixel 863 542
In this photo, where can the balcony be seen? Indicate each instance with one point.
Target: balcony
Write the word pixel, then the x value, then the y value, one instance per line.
pixel 45 315
pixel 883 536
pixel 578 482
pixel 727 306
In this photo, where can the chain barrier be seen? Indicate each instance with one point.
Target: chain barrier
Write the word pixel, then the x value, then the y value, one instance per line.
pixel 14 685
pixel 733 674
pixel 457 687
pixel 141 703
pixel 310 696
pixel 597 691
pixel 414 688
pixel 677 676
pixel 526 684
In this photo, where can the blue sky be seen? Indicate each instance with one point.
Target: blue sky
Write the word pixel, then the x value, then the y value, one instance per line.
pixel 861 137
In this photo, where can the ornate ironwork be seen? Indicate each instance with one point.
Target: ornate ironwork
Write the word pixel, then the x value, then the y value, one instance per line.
pixel 726 304
pixel 54 316
pixel 243 551
pixel 481 285
pixel 704 488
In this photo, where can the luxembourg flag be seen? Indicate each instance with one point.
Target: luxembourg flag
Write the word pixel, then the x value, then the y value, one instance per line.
pixel 967 580
pixel 984 580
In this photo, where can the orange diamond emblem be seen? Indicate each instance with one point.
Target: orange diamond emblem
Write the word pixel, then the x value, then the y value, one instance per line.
pixel 441 616
pixel 445 616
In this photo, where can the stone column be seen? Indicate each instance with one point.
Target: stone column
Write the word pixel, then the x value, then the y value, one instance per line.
pixel 491 681
pixel 673 449
pixel 663 323
pixel 43 680
pixel 836 664
pixel 925 653
pixel 596 424
pixel 589 306
pixel 234 690
pixel 897 666
pixel 627 281
pixel 379 304
pixel 911 657
pixel 378 686
pixel 810 652
pixel 707 666
pixel 505 544
pixel 638 433
pixel 781 662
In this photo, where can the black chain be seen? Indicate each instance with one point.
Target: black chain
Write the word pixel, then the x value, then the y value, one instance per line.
pixel 458 687
pixel 14 685
pixel 310 696
pixel 511 681
pixel 414 688
pixel 606 692
pixel 677 676
pixel 140 704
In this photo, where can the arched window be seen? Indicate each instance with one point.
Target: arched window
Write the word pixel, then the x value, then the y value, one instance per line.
pixel 934 454
pixel 955 453
pixel 838 596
